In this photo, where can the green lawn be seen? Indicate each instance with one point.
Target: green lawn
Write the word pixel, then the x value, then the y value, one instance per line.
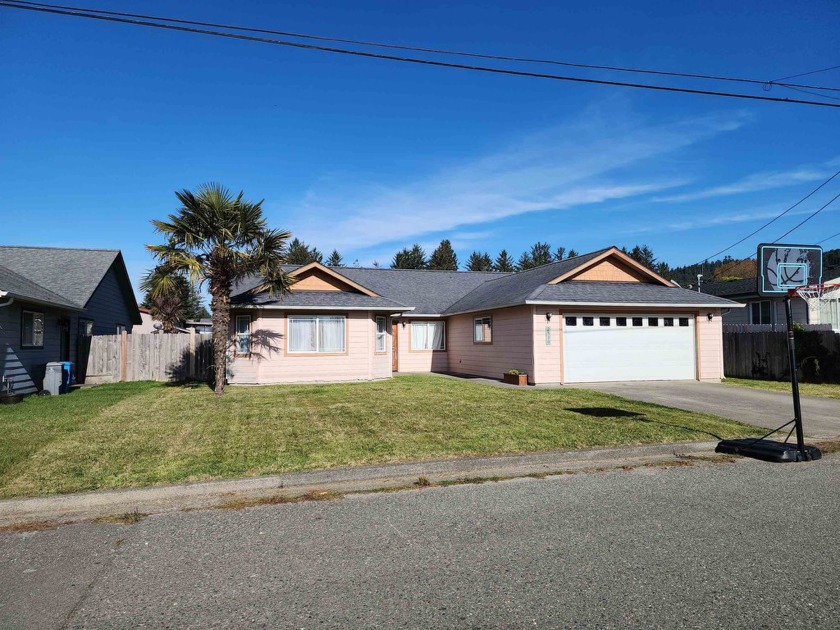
pixel 823 390
pixel 136 434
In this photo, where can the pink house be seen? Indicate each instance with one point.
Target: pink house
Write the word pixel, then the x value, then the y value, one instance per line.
pixel 597 317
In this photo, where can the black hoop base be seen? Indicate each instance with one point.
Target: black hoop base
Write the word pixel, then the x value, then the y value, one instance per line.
pixel 768 450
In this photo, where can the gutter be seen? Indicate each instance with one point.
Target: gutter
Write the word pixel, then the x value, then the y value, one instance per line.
pixel 5 304
pixel 635 304
pixel 280 307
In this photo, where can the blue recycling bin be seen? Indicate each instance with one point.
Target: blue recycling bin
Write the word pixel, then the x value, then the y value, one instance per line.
pixel 68 378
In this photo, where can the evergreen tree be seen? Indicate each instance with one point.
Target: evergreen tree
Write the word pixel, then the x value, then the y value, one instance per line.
pixel 572 254
pixel 183 302
pixel 540 254
pixel 642 255
pixel 559 254
pixel 525 262
pixel 335 259
pixel 444 257
pixel 503 262
pixel 301 254
pixel 480 262
pixel 414 258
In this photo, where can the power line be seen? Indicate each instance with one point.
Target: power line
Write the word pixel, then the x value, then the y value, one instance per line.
pixel 804 74
pixel 427 62
pixel 829 238
pixel 429 50
pixel 808 218
pixel 773 220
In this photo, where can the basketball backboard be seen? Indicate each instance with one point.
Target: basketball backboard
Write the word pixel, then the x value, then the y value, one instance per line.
pixel 785 267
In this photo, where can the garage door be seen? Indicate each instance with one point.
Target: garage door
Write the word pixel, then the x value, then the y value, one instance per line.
pixel 645 347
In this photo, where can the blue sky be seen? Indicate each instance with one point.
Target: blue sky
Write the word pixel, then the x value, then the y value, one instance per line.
pixel 100 123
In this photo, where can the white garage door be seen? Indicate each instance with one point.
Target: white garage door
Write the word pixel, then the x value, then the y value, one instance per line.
pixel 603 347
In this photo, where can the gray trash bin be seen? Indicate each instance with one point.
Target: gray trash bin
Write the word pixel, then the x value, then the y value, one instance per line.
pixel 54 377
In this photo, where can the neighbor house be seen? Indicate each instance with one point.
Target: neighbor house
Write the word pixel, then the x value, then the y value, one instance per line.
pixel 759 310
pixel 52 300
pixel 596 317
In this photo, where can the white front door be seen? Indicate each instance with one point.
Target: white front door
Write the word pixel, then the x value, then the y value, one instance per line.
pixel 643 347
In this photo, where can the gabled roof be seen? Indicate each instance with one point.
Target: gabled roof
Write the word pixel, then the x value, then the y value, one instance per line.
pixel 17 286
pixel 631 293
pixel 321 299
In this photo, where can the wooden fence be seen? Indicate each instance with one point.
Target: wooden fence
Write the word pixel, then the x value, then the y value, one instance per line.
pixel 764 355
pixel 149 357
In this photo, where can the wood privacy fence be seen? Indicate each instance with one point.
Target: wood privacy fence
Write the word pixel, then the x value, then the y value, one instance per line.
pixel 764 355
pixel 149 357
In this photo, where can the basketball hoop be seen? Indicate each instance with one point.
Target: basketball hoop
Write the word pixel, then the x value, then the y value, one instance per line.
pixel 818 291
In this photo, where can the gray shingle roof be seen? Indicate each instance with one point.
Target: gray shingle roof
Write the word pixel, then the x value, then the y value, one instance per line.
pixel 71 273
pixel 731 288
pixel 320 299
pixel 587 292
pixel 18 286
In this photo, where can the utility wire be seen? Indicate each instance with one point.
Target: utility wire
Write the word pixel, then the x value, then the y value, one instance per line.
pixel 804 74
pixel 829 238
pixel 427 62
pixel 428 50
pixel 808 218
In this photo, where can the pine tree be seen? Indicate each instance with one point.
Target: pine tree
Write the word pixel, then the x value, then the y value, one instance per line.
pixel 414 258
pixel 572 254
pixel 525 262
pixel 642 255
pixel 335 259
pixel 301 254
pixel 559 254
pixel 540 254
pixel 480 262
pixel 503 262
pixel 444 257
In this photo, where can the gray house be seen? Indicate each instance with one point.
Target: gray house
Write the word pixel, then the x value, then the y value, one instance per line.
pixel 760 310
pixel 52 300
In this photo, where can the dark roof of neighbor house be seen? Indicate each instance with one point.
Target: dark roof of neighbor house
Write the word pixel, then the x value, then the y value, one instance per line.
pixel 450 292
pixel 70 273
pixel 17 286
pixel 743 287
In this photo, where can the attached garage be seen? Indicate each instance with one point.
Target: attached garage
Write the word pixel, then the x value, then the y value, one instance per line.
pixel 629 347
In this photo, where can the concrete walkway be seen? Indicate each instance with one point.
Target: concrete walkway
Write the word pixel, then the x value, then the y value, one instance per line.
pixel 762 408
pixel 86 506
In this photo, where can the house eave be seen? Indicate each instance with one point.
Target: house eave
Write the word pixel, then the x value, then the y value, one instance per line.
pixel 28 300
pixel 280 307
pixel 634 304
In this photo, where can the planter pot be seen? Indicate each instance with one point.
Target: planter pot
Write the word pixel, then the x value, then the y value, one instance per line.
pixel 516 379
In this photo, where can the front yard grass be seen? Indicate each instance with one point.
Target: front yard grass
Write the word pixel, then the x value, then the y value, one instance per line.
pixel 136 434
pixel 822 390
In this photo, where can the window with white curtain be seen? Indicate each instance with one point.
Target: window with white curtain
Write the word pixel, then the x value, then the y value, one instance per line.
pixel 316 334
pixel 428 335
pixel 243 334
pixel 381 335
pixel 482 330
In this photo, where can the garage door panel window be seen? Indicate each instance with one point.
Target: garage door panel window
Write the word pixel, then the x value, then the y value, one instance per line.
pixel 637 321
pixel 571 321
pixel 668 322
pixel 604 321
pixel 683 321
pixel 588 321
pixel 428 335
pixel 653 321
pixel 620 321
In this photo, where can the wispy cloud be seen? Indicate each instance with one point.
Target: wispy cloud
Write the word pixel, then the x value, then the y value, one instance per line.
pixel 566 167
pixel 756 182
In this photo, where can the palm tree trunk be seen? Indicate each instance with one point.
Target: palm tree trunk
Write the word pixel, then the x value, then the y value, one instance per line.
pixel 220 305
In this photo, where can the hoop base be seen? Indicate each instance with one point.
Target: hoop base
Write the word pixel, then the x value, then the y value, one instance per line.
pixel 767 450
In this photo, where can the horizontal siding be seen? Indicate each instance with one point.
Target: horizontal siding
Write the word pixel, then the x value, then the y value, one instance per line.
pixel 107 307
pixel 25 367
pixel 511 347
pixel 548 349
pixel 710 346
pixel 419 361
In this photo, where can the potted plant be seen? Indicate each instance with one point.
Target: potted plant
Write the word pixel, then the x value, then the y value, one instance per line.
pixel 515 377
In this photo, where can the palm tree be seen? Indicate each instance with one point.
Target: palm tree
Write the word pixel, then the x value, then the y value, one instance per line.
pixel 164 297
pixel 218 238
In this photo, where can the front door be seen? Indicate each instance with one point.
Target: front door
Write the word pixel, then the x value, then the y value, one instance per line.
pixel 394 346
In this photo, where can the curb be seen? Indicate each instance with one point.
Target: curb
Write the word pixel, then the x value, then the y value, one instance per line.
pixel 64 509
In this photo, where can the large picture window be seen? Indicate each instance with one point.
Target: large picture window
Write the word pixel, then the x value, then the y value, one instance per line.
pixel 381 335
pixel 32 330
pixel 316 334
pixel 243 334
pixel 428 335
pixel 483 330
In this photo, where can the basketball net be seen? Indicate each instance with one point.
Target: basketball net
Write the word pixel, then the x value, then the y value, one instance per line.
pixel 819 291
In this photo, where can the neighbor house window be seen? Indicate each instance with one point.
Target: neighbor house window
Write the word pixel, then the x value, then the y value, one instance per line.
pixel 381 335
pixel 482 330
pixel 317 334
pixel 761 312
pixel 120 329
pixel 243 334
pixel 85 327
pixel 428 335
pixel 32 330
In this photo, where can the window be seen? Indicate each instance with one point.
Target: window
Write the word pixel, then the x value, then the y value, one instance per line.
pixel 653 321
pixel 620 321
pixel 761 312
pixel 381 335
pixel 32 330
pixel 428 335
pixel 683 321
pixel 588 321
pixel 604 321
pixel 120 329
pixel 316 334
pixel 85 328
pixel 483 330
pixel 243 334
pixel 637 321
pixel 668 321
pixel 571 321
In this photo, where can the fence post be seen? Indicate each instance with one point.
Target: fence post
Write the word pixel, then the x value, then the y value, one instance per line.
pixel 123 356
pixel 191 369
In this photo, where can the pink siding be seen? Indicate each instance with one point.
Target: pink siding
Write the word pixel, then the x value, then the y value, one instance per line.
pixel 710 346
pixel 548 355
pixel 420 361
pixel 510 348
pixel 268 362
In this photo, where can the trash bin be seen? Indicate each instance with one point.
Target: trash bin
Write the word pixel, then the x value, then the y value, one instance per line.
pixel 69 377
pixel 54 377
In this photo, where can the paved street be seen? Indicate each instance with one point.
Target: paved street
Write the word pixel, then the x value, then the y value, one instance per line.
pixel 743 545
pixel 821 416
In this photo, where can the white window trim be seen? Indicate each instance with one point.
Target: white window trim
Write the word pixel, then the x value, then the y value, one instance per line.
pixel 426 323
pixel 317 349
pixel 381 336
pixel 241 334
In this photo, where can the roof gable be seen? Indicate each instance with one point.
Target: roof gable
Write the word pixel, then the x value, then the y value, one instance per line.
pixel 317 277
pixel 611 265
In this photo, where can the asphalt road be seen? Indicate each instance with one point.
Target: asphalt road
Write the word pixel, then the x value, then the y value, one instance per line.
pixel 743 545
pixel 762 408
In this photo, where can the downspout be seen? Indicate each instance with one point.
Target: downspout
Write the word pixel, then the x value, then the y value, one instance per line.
pixel 9 303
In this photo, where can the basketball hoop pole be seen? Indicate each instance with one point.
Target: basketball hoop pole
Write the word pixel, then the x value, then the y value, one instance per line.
pixel 794 381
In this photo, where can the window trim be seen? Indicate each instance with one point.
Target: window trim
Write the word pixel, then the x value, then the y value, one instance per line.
pixel 426 321
pixel 236 334
pixel 291 353
pixel 489 325
pixel 26 346
pixel 377 335
pixel 758 303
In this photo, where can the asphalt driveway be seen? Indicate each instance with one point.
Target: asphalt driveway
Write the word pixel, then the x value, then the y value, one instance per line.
pixel 821 416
